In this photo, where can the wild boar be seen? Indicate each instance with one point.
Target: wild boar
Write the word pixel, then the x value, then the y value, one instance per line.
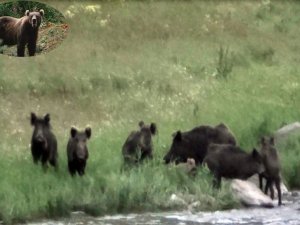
pixel 230 161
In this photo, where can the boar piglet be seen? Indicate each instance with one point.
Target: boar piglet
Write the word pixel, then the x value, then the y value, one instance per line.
pixel 272 167
pixel 138 145
pixel 43 141
pixel 77 150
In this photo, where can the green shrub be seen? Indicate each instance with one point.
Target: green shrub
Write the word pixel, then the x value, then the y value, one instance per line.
pixel 18 8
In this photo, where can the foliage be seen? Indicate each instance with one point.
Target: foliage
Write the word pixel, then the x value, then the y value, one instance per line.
pixel 17 9
pixel 289 154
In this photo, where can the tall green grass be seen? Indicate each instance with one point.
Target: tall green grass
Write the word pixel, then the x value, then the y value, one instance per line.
pixel 159 62
pixel 28 192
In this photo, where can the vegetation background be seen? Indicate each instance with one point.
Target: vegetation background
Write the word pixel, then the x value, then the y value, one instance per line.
pixel 177 63
pixel 18 8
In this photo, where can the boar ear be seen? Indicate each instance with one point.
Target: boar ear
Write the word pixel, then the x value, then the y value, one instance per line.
pixel 272 141
pixel 221 126
pixel 178 136
pixel 153 128
pixel 141 124
pixel 32 118
pixel 263 141
pixel 88 132
pixel 174 134
pixel 255 153
pixel 42 12
pixel 27 12
pixel 47 118
pixel 73 132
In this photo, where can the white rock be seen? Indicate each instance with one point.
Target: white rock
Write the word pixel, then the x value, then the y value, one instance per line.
pixel 286 131
pixel 176 200
pixel 249 194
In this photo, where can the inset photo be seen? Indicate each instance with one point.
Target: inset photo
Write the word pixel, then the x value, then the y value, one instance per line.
pixel 29 28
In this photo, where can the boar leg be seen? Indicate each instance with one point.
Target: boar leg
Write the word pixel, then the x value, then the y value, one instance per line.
pixel 267 186
pixel 260 181
pixel 146 154
pixel 36 159
pixel 81 169
pixel 53 162
pixel 71 168
pixel 271 189
pixel 44 161
pixel 277 184
pixel 36 155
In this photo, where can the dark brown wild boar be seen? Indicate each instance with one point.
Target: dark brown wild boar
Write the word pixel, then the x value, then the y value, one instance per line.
pixel 194 143
pixel 230 161
pixel 272 167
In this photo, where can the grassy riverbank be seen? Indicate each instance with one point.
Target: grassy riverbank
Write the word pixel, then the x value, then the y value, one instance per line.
pixel 176 63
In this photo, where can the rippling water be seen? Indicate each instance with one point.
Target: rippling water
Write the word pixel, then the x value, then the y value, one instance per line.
pixel 287 214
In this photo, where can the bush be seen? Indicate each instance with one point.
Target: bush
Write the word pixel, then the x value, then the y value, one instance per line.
pixel 225 63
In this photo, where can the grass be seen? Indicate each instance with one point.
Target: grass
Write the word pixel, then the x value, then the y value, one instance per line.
pixel 290 160
pixel 154 61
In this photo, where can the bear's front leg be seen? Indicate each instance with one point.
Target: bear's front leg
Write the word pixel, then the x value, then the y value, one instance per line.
pixel 21 49
pixel 31 48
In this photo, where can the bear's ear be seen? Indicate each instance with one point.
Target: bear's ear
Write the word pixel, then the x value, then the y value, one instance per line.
pixel 153 128
pixel 141 123
pixel 88 132
pixel 42 12
pixel 73 132
pixel 272 141
pixel 32 118
pixel 27 12
pixel 47 118
pixel 178 136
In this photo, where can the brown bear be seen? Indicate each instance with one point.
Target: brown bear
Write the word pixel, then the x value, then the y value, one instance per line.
pixel 21 32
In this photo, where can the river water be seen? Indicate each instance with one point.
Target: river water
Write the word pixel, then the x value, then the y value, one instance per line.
pixel 288 214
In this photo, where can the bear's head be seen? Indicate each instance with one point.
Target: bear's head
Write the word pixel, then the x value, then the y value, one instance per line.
pixel 35 18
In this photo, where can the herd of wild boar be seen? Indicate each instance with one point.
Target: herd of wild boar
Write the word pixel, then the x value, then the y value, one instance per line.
pixel 215 147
